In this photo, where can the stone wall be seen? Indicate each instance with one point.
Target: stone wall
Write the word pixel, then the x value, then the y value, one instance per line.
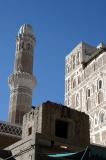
pixel 48 127
pixel 77 124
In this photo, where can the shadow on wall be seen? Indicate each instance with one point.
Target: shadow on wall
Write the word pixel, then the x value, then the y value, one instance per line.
pixel 6 154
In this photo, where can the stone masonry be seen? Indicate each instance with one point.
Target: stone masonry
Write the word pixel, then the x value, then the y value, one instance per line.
pixel 85 86
pixel 49 127
pixel 22 81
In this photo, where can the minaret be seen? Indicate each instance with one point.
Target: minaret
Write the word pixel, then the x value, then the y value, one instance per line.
pixel 22 81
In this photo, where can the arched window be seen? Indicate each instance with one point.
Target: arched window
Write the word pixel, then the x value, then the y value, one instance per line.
pixel 74 83
pixel 102 117
pixel 100 97
pixel 88 93
pixel 68 69
pixel 79 79
pixel 22 45
pixel 29 47
pixel 100 84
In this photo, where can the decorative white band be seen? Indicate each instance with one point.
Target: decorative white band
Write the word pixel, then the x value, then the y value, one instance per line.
pixel 21 79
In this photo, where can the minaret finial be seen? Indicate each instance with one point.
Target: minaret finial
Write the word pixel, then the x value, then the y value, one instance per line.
pixel 26 29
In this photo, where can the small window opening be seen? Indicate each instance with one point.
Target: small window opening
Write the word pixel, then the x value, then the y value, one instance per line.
pixel 29 131
pixel 22 45
pixel 88 92
pixel 100 84
pixel 74 83
pixel 77 100
pixel 87 106
pixel 102 117
pixel 73 62
pixel 61 129
pixel 95 120
pixel 79 79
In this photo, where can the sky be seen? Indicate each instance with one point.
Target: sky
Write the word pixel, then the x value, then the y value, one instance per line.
pixel 59 25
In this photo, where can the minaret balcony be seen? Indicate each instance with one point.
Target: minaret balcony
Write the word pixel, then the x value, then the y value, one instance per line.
pixel 21 79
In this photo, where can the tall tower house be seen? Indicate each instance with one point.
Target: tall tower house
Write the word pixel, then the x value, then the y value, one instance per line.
pixel 85 86
pixel 22 81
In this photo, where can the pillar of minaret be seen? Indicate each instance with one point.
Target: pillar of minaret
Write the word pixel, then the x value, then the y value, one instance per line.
pixel 22 81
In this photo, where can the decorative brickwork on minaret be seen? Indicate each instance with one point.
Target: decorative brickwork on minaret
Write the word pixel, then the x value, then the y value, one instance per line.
pixel 22 81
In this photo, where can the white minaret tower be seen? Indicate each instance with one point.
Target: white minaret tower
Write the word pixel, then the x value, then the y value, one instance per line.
pixel 22 81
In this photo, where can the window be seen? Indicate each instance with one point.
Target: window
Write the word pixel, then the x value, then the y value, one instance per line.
pixel 100 84
pixel 102 117
pixel 88 93
pixel 74 83
pixel 88 105
pixel 95 121
pixel 61 129
pixel 79 79
pixel 28 46
pixel 22 45
pixel 68 84
pixel 68 69
pixel 77 100
pixel 73 62
pixel 29 131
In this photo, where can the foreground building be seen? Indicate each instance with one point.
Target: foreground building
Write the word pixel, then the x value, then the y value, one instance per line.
pixel 51 128
pixel 85 86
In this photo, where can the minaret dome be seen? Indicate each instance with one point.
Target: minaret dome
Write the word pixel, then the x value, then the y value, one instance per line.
pixel 26 29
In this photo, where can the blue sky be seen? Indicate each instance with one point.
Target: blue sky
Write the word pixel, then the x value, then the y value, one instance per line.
pixel 59 25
